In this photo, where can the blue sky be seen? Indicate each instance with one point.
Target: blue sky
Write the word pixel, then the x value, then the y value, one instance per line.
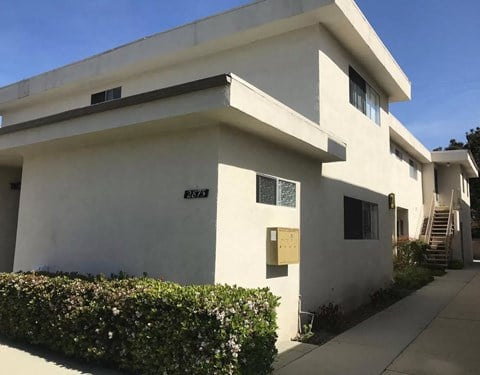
pixel 437 43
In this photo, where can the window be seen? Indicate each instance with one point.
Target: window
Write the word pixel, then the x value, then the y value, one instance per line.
pixel 107 95
pixel 463 183
pixel 413 169
pixel 277 192
pixel 398 154
pixel 400 232
pixel 360 219
pixel 364 97
pixel 373 105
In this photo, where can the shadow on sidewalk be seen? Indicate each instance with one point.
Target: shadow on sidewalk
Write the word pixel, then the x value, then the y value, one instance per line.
pixel 58 360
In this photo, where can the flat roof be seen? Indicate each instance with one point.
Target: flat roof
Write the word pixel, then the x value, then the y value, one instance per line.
pixel 406 140
pixel 240 26
pixel 225 99
pixel 462 157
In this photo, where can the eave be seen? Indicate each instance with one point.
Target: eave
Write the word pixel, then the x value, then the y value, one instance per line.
pixel 461 157
pixel 224 100
pixel 400 135
pixel 241 26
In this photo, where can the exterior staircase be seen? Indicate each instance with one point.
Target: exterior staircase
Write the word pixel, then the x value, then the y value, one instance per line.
pixel 438 254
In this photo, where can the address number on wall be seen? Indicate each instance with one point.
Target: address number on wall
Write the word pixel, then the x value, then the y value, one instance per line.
pixel 196 194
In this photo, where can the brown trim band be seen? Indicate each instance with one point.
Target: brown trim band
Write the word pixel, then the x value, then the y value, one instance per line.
pixel 167 92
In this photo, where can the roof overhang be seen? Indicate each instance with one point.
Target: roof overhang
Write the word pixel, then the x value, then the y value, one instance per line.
pixel 461 157
pixel 241 26
pixel 223 100
pixel 406 140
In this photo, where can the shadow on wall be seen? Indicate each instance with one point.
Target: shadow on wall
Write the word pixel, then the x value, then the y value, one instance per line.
pixel 335 269
pixel 332 269
pixel 462 244
pixel 9 201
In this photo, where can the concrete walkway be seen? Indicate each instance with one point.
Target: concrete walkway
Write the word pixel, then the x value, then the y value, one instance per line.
pixel 23 359
pixel 436 330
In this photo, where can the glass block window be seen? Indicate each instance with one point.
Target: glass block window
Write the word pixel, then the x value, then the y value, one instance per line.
pixel 276 192
pixel 287 193
pixel 266 190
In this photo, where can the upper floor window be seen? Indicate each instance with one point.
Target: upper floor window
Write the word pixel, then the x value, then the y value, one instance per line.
pixel 413 169
pixel 398 154
pixel 364 97
pixel 106 96
pixel 277 192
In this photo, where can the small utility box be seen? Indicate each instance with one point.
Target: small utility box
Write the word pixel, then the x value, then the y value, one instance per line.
pixel 283 246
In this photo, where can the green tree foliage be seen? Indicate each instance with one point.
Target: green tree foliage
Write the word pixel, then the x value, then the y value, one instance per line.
pixel 473 144
pixel 455 145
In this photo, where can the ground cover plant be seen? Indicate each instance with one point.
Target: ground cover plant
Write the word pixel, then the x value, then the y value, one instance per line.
pixel 142 325
pixel 410 273
pixel 456 264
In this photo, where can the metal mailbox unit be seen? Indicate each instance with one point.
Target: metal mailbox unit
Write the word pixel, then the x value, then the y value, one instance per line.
pixel 283 246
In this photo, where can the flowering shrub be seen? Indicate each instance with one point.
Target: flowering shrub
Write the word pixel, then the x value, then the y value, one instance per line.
pixel 329 317
pixel 143 325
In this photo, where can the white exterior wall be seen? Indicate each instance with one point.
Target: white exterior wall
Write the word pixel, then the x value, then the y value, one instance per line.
pixel 242 223
pixel 120 206
pixel 338 270
pixel 284 66
pixel 450 178
pixel 408 190
pixel 428 182
pixel 466 220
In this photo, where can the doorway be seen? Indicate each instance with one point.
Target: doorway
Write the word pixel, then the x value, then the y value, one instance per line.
pixel 402 223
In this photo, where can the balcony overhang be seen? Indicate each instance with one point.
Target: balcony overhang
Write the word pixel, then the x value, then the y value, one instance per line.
pixel 222 100
pixel 461 157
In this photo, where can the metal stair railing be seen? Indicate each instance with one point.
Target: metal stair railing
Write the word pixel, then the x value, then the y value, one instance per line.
pixel 448 232
pixel 428 232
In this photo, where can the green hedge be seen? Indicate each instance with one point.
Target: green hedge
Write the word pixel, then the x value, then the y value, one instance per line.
pixel 143 325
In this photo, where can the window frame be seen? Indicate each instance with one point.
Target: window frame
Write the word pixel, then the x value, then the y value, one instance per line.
pixel 278 190
pixel 413 170
pixel 361 94
pixel 106 95
pixel 398 154
pixel 368 214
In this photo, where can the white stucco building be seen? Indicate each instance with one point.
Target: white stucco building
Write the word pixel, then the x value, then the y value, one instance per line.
pixel 175 154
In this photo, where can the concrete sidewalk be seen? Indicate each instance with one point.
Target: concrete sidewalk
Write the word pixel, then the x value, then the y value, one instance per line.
pixel 17 359
pixel 436 330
